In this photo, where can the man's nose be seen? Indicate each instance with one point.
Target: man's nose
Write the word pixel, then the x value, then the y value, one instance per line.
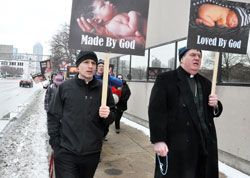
pixel 90 65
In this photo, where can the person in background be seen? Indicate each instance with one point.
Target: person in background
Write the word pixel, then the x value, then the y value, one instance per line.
pixel 52 78
pixel 121 106
pixel 77 121
pixel 181 112
pixel 113 83
pixel 111 70
pixel 51 90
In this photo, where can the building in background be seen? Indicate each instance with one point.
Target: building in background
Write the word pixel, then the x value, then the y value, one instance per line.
pixel 6 59
pixel 6 52
pixel 38 52
pixel 14 64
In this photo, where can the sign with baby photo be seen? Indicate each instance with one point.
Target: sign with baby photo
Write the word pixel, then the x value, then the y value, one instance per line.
pixel 219 25
pixel 109 26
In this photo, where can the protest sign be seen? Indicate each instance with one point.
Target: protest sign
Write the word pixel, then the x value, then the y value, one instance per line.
pixel 45 67
pixel 220 26
pixel 110 27
pixel 71 71
pixel 119 27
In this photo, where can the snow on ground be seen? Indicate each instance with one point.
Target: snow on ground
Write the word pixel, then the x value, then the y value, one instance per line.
pixel 23 147
pixel 223 168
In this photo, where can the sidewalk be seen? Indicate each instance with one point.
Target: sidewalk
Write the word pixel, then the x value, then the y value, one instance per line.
pixel 128 154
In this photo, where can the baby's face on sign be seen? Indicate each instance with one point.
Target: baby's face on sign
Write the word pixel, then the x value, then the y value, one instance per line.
pixel 211 15
pixel 232 19
pixel 104 10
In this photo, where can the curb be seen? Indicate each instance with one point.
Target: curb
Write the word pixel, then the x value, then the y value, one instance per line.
pixel 20 113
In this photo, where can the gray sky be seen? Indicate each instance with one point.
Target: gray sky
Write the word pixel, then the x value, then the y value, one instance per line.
pixel 26 22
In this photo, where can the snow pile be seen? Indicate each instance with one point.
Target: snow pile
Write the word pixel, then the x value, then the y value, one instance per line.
pixel 23 147
pixel 231 172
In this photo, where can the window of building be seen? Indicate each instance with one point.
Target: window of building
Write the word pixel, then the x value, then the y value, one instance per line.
pixel 113 62
pixel 20 63
pixel 207 64
pixel 123 66
pixel 235 68
pixel 12 63
pixel 139 67
pixel 161 59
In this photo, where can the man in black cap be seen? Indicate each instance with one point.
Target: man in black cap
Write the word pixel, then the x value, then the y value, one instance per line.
pixel 76 121
pixel 181 112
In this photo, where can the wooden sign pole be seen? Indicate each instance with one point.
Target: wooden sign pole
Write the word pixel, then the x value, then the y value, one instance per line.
pixel 216 62
pixel 105 80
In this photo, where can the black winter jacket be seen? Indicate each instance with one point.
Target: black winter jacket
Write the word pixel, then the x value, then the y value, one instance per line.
pixel 122 104
pixel 50 92
pixel 73 118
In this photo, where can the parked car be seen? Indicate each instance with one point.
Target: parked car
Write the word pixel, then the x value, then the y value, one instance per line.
pixel 26 82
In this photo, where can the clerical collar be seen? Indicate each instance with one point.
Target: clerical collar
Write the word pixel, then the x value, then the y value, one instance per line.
pixel 188 74
pixel 84 79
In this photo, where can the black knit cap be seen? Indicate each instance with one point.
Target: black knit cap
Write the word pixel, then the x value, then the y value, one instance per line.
pixel 183 50
pixel 84 55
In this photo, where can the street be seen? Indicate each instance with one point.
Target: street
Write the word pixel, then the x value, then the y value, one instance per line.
pixel 12 96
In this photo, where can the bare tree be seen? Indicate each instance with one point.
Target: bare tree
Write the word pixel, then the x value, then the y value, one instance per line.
pixel 139 73
pixel 227 63
pixel 231 61
pixel 59 48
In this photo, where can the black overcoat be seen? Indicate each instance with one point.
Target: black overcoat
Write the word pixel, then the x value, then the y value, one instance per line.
pixel 122 104
pixel 173 118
